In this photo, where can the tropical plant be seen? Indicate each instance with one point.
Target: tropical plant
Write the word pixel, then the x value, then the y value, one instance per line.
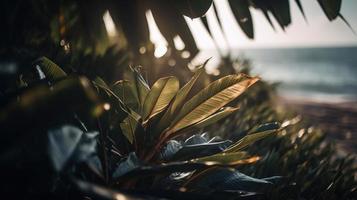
pixel 147 137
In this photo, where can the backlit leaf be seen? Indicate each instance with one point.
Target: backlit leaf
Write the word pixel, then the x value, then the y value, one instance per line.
pixel 159 97
pixel 179 99
pixel 248 140
pixel 211 99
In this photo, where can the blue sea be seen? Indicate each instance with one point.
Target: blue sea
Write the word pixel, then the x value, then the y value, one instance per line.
pixel 319 74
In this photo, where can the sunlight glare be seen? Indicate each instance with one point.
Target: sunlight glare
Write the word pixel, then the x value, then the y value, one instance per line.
pixel 109 24
pixel 179 44
pixel 160 51
pixel 156 36
pixel 185 54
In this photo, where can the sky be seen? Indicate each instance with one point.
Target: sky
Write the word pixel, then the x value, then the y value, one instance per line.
pixel 318 31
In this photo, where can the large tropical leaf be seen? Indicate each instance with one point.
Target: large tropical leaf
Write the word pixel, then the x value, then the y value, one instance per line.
pixel 281 11
pixel 221 114
pixel 179 100
pixel 159 97
pixel 211 99
pixel 331 8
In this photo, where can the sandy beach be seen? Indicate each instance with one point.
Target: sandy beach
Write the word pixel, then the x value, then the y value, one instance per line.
pixel 337 120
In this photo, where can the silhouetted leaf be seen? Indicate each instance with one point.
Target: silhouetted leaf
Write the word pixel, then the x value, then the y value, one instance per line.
pixel 240 9
pixel 298 3
pixel 193 8
pixel 331 8
pixel 281 11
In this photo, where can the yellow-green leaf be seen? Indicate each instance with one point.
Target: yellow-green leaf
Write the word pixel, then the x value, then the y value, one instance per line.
pixel 137 84
pixel 179 99
pixel 184 91
pixel 123 91
pixel 159 97
pixel 224 112
pixel 50 69
pixel 234 158
pixel 248 139
pixel 128 127
pixel 99 81
pixel 211 99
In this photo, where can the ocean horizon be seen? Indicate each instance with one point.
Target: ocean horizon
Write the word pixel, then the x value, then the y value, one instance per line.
pixel 323 74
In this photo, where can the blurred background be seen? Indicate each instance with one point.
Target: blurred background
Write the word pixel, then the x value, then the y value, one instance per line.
pixel 314 59
pixel 305 52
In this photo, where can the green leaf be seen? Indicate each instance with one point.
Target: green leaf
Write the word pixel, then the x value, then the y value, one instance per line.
pixel 50 69
pixel 224 112
pixel 137 84
pixel 99 81
pixel 211 99
pixel 179 99
pixel 193 8
pixel 331 8
pixel 248 140
pixel 159 97
pixel 215 117
pixel 128 127
pixel 240 9
pixel 184 91
pixel 298 3
pixel 233 158
pixel 265 127
pixel 125 93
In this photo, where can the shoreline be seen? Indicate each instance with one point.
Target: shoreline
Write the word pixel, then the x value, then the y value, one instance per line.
pixel 337 120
